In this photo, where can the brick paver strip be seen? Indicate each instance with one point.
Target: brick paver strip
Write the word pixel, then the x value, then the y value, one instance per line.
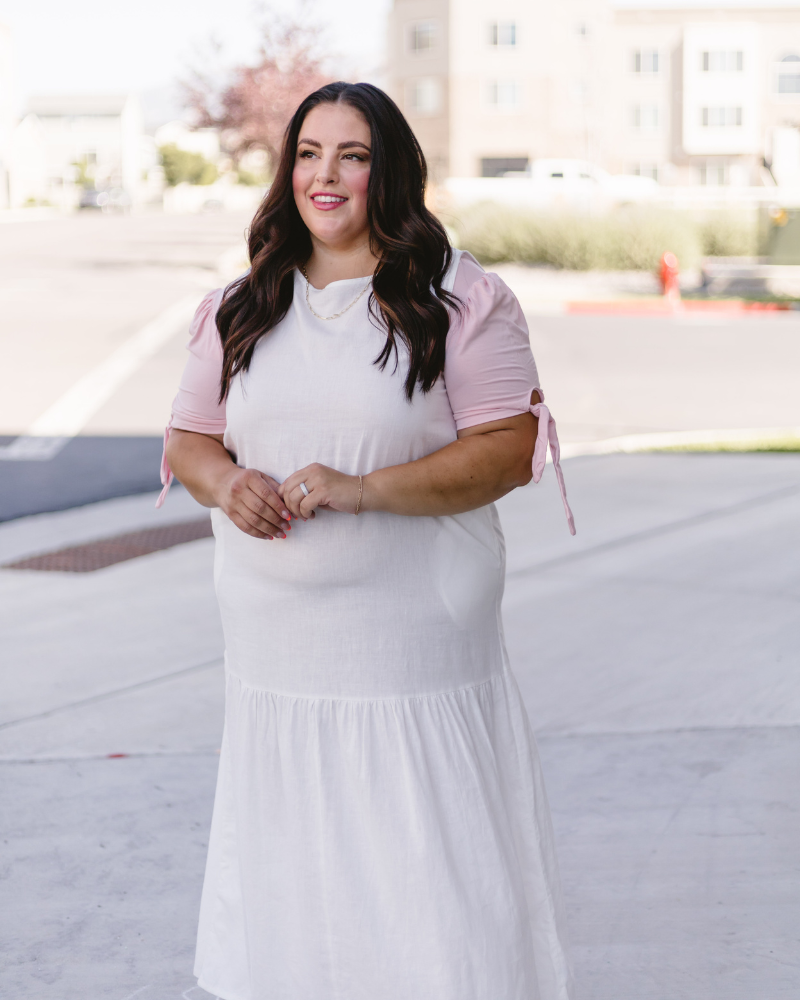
pixel 119 548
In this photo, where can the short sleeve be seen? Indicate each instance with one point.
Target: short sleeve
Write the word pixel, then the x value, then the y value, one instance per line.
pixel 196 406
pixel 489 369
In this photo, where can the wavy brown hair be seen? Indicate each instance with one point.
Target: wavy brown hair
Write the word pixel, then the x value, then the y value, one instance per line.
pixel 413 251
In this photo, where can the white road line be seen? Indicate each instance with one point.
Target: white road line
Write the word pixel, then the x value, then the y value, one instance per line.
pixel 32 449
pixel 62 421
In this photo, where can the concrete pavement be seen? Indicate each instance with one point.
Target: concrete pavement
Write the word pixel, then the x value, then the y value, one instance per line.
pixel 657 653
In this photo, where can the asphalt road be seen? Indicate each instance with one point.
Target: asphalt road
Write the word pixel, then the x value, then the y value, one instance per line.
pixel 605 376
pixel 87 469
pixel 78 292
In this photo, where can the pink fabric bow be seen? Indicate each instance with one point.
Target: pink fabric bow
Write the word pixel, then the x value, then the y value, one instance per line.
pixel 547 435
pixel 166 473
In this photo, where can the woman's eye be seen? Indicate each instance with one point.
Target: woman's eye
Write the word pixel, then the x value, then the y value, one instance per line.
pixel 353 156
pixel 305 154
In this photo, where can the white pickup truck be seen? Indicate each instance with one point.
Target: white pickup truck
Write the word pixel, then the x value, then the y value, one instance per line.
pixel 571 185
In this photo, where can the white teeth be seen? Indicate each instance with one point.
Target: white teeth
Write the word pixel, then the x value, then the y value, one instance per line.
pixel 327 198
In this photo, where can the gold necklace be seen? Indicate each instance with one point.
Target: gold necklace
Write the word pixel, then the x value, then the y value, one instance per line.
pixel 335 315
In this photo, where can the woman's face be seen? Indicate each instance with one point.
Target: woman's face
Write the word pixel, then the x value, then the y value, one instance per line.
pixel 331 175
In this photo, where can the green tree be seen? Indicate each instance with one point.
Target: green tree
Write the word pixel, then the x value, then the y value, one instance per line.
pixel 181 165
pixel 84 174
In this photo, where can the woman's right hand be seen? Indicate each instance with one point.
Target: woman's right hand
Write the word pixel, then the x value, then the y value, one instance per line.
pixel 250 499
pixel 208 471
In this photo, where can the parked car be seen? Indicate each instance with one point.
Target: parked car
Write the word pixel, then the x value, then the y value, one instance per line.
pixel 90 198
pixel 108 200
pixel 115 200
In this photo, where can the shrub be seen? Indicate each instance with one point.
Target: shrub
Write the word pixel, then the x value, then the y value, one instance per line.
pixel 631 239
pixel 248 178
pixel 181 165
pixel 729 234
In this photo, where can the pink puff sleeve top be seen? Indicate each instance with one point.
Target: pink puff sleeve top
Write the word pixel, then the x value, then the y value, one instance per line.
pixel 489 370
pixel 197 407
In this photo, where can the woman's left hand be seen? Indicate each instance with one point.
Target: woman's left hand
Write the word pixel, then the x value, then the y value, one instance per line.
pixel 326 487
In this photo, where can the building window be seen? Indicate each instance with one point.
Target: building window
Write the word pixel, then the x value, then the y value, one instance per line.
pixel 503 33
pixel 499 166
pixel 425 96
pixel 714 174
pixel 503 95
pixel 722 61
pixel 789 75
pixel 646 170
pixel 422 36
pixel 645 117
pixel 721 117
pixel 646 61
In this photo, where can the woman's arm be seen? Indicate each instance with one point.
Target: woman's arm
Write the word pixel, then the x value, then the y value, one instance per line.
pixel 486 462
pixel 248 497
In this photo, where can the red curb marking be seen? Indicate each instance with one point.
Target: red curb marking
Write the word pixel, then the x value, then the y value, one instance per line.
pixel 657 307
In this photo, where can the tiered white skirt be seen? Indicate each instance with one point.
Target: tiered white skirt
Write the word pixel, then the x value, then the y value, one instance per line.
pixel 381 849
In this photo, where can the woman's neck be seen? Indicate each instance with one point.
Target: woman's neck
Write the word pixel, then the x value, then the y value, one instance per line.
pixel 327 264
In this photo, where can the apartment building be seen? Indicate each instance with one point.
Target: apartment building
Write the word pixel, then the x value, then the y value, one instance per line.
pixel 687 93
pixel 102 133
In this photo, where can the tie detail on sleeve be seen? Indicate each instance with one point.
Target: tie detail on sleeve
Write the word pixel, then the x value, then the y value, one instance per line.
pixel 547 435
pixel 167 474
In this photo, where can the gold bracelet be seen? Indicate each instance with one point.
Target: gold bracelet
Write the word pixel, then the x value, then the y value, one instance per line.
pixel 360 493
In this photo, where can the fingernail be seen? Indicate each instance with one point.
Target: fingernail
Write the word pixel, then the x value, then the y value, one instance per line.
pixel 286 527
pixel 286 514
pixel 282 535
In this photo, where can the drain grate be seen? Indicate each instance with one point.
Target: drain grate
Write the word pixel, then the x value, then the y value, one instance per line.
pixel 108 551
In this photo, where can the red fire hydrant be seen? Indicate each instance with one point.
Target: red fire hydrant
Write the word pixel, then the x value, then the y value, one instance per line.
pixel 669 273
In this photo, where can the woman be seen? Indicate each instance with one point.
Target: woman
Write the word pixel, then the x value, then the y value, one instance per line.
pixel 362 396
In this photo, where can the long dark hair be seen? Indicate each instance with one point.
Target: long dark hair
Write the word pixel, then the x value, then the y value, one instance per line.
pixel 411 245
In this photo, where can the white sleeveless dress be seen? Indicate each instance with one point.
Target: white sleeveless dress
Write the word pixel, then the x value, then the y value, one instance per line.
pixel 380 830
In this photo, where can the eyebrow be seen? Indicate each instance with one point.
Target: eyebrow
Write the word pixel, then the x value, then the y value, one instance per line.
pixel 342 145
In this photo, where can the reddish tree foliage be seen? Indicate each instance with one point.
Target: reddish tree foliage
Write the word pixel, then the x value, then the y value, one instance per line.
pixel 253 104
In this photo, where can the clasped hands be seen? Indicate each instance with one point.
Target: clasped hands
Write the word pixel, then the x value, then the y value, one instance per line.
pixel 260 506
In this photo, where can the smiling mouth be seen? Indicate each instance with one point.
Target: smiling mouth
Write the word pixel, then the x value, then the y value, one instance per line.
pixel 325 202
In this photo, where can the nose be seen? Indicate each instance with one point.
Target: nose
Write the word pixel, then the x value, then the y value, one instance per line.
pixel 327 172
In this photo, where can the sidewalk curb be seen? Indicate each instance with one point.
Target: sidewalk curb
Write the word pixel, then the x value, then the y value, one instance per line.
pixel 633 443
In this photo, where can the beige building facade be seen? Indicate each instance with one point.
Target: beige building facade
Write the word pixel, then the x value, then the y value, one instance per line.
pixel 104 133
pixel 692 94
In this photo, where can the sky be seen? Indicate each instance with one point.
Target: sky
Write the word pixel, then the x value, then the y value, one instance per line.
pixel 96 46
